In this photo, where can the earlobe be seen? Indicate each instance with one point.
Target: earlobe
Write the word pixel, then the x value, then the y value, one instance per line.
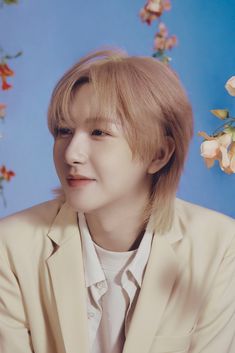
pixel 163 156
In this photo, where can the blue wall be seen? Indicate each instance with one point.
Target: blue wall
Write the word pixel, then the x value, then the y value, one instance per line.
pixel 54 34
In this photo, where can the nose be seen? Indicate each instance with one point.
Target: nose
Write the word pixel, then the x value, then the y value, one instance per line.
pixel 76 150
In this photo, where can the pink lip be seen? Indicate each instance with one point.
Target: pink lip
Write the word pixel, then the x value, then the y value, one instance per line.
pixel 79 182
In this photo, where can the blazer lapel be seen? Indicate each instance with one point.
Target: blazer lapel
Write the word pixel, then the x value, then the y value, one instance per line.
pixel 159 278
pixel 66 270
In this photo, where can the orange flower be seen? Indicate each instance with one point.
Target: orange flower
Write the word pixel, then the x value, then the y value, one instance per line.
pixel 6 174
pixel 2 110
pixel 5 72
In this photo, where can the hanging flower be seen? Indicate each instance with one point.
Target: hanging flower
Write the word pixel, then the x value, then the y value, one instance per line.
pixel 5 72
pixel 221 148
pixel 153 9
pixel 8 2
pixel 230 86
pixel 2 111
pixel 221 144
pixel 6 174
pixel 163 42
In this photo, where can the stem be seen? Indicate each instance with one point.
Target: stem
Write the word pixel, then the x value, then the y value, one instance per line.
pixel 3 198
pixel 229 123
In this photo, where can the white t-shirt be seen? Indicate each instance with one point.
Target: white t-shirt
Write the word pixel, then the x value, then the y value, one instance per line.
pixel 113 281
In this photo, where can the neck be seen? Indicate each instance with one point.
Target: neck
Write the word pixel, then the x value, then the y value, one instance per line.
pixel 118 228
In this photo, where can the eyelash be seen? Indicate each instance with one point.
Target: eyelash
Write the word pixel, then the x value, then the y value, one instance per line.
pixel 63 132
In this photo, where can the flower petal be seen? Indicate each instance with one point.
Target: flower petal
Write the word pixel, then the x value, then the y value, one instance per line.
pixel 209 149
pixel 230 86
pixel 225 161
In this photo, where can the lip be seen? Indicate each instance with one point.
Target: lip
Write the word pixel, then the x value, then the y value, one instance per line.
pixel 78 180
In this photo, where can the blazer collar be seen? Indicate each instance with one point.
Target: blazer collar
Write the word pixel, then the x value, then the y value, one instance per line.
pixel 63 226
pixel 67 218
pixel 65 266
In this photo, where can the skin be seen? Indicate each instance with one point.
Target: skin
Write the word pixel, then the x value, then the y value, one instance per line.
pixel 115 199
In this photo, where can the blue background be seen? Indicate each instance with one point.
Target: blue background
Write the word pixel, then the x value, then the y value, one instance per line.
pixel 54 34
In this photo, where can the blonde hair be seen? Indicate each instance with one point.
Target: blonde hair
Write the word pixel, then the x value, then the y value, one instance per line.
pixel 151 104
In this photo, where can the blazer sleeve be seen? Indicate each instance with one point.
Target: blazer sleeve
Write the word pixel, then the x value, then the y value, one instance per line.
pixel 215 330
pixel 14 330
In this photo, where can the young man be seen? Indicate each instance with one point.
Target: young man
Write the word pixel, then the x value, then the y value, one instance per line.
pixel 117 263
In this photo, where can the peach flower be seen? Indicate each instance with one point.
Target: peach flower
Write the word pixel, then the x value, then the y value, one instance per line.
pixel 230 86
pixel 216 148
pixel 154 6
pixel 153 9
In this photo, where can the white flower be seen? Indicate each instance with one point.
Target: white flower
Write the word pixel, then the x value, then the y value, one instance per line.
pixel 230 86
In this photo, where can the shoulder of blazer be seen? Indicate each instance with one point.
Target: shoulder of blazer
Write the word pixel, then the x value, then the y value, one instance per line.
pixel 21 225
pixel 204 220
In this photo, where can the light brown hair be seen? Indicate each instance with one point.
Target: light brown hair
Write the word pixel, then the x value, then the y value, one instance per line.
pixel 148 99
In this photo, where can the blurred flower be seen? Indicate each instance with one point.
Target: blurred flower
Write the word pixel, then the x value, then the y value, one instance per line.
pixel 167 5
pixel 2 110
pixel 162 41
pixel 153 9
pixel 5 72
pixel 6 174
pixel 221 148
pixel 171 42
pixel 162 30
pixel 159 43
pixel 9 2
pixel 230 86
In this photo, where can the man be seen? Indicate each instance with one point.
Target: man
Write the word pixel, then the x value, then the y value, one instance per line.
pixel 116 263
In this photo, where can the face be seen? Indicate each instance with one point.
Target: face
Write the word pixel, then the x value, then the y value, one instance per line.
pixel 95 164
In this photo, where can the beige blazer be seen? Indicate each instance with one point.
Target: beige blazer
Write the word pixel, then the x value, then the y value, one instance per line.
pixel 186 303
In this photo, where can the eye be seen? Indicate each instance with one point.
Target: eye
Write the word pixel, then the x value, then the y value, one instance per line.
pixel 98 132
pixel 63 132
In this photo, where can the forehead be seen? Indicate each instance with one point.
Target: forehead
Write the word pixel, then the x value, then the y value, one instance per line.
pixel 84 102
pixel 86 107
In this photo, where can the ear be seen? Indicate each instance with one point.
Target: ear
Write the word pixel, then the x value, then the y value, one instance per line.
pixel 163 156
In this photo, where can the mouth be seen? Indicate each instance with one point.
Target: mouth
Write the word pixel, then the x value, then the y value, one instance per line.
pixel 76 181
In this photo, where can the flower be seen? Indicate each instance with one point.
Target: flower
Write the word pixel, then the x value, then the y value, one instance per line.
pixel 162 41
pixel 5 72
pixel 163 31
pixel 217 148
pixel 10 2
pixel 171 42
pixel 6 174
pixel 153 9
pixel 230 86
pixel 2 110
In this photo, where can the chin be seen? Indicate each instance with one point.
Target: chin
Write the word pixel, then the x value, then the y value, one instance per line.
pixel 79 206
